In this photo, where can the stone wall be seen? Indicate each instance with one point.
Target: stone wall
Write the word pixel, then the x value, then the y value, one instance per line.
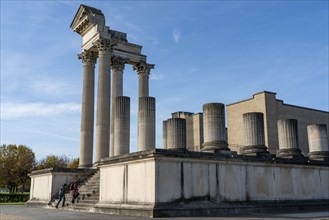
pixel 46 183
pixel 173 180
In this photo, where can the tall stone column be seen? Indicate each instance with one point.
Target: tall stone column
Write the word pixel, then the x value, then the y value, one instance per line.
pixel 118 65
pixel 143 69
pixel 254 139
pixel 87 110
pixel 288 138
pixel 176 133
pixel 318 141
pixel 121 125
pixel 164 134
pixel 214 127
pixel 146 123
pixel 103 99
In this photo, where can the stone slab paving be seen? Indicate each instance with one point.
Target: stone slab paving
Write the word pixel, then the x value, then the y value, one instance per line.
pixel 21 212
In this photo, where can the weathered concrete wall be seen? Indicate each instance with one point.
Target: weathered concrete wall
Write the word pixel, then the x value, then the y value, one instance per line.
pixel 228 181
pixel 128 183
pixel 162 180
pixel 45 184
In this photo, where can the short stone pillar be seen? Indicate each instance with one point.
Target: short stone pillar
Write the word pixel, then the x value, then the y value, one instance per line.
pixel 254 140
pixel 146 123
pixel 176 133
pixel 121 125
pixel 214 127
pixel 288 138
pixel 164 134
pixel 318 141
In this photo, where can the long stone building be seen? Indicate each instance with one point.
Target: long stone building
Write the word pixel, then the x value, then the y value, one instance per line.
pixel 273 110
pixel 199 173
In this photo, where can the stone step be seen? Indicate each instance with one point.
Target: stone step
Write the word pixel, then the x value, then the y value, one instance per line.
pixel 83 205
pixel 87 201
pixel 89 194
pixel 93 191
pixel 89 190
pixel 89 187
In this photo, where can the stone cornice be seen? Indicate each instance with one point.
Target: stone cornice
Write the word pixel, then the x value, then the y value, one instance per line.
pixel 87 17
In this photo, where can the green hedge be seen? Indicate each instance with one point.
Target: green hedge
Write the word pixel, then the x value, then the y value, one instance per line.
pixel 14 197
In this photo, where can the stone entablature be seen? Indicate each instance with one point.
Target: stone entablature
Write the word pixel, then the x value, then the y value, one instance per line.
pixel 89 22
pixel 113 51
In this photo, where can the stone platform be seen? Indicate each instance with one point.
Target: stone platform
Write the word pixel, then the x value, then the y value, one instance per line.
pixel 167 183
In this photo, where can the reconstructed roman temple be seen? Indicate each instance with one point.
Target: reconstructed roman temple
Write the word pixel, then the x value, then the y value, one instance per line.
pixel 272 156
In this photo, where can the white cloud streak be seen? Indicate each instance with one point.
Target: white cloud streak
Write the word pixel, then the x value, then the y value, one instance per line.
pixel 37 109
pixel 156 76
pixel 176 35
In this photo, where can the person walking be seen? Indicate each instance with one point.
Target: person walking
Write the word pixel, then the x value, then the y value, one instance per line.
pixel 74 191
pixel 61 196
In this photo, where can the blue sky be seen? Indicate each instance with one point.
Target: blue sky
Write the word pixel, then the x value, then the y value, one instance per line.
pixel 203 51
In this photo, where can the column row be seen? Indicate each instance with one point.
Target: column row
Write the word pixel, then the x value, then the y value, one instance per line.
pixel 109 126
pixel 214 134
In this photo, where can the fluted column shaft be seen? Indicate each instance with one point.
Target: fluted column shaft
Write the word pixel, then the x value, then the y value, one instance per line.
pixel 146 123
pixel 253 124
pixel 164 134
pixel 143 85
pixel 288 134
pixel 103 100
pixel 87 110
pixel 317 137
pixel 254 139
pixel 121 125
pixel 143 70
pixel 214 127
pixel 288 138
pixel 176 133
pixel 117 90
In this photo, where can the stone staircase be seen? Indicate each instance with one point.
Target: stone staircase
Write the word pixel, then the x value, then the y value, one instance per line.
pixel 89 195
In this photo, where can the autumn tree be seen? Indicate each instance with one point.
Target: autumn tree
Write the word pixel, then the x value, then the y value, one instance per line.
pixel 53 161
pixel 74 163
pixel 15 163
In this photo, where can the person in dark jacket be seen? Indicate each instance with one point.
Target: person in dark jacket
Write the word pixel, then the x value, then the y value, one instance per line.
pixel 61 195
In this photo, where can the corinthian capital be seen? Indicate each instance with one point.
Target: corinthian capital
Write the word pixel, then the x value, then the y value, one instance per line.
pixel 88 57
pixel 105 45
pixel 118 63
pixel 143 68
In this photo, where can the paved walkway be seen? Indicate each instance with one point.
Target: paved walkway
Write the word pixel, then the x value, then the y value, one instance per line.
pixel 21 212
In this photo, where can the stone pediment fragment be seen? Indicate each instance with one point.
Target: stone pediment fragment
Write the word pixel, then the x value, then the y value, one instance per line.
pixel 87 17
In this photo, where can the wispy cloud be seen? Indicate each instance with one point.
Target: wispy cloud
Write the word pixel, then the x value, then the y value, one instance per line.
pixel 42 132
pixel 176 35
pixel 157 76
pixel 18 110
pixel 192 69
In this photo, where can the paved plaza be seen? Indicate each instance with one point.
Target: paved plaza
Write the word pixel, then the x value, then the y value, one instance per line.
pixel 21 212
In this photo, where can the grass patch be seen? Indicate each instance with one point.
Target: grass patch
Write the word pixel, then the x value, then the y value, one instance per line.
pixel 13 203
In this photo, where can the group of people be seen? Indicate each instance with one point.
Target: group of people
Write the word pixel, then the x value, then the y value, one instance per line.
pixel 74 192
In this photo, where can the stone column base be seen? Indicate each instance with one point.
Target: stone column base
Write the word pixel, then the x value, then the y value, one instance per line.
pixel 257 150
pixel 215 146
pixel 290 153
pixel 319 155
